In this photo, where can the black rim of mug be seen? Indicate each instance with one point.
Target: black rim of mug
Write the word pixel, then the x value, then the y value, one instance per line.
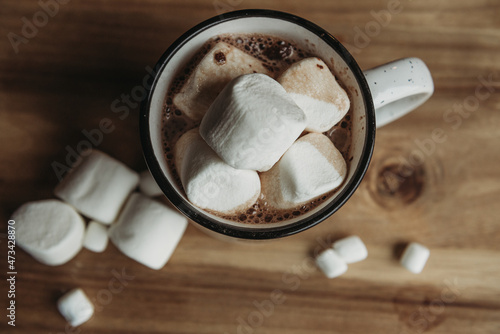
pixel 253 232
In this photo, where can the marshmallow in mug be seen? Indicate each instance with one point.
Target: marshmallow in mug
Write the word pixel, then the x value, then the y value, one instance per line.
pixel 252 122
pixel 314 88
pixel 311 167
pixel 208 181
pixel 98 186
pixel 220 65
pixel 49 230
pixel 147 231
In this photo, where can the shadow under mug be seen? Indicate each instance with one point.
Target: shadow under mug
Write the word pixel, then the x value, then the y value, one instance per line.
pixel 385 93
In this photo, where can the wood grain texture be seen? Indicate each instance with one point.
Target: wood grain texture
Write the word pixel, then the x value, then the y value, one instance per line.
pixel 65 78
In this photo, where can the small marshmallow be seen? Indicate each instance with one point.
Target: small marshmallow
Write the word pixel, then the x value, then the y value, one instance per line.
pixel 331 263
pixel 314 88
pixel 148 185
pixel 51 231
pixel 208 181
pixel 96 237
pixel 220 65
pixel 147 231
pixel 351 249
pixel 98 186
pixel 252 122
pixel 310 168
pixel 414 257
pixel 75 307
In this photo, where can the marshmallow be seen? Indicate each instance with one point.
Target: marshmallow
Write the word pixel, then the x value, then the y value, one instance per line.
pixel 331 263
pixel 314 88
pixel 98 186
pixel 96 237
pixel 147 231
pixel 220 65
pixel 208 181
pixel 148 185
pixel 351 249
pixel 75 307
pixel 252 122
pixel 414 257
pixel 310 168
pixel 49 230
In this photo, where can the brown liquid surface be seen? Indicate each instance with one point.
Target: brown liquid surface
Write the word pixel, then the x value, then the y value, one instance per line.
pixel 276 55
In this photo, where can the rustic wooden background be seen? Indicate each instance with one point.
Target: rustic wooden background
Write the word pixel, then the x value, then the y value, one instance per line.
pixel 64 79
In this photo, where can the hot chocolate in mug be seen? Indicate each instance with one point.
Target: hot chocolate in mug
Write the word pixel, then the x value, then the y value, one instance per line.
pixel 378 96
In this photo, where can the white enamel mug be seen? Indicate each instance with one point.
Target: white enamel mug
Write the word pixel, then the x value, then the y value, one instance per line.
pixel 378 96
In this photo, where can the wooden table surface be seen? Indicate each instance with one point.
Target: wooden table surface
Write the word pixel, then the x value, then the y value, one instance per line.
pixel 64 77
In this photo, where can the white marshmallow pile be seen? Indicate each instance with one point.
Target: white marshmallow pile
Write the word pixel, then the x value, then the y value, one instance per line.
pixel 208 181
pixel 98 186
pixel 312 166
pixel 220 65
pixel 147 231
pixel 415 257
pixel 49 230
pixel 53 232
pixel 333 261
pixel 75 307
pixel 313 87
pixel 148 185
pixel 252 122
pixel 96 237
pixel 351 249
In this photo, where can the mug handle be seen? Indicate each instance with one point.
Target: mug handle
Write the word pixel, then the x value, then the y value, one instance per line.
pixel 398 87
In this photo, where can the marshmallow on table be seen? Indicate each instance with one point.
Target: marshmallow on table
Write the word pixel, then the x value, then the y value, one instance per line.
pixel 252 122
pixel 331 263
pixel 314 88
pixel 415 257
pixel 351 249
pixel 96 237
pixel 148 185
pixel 147 231
pixel 75 307
pixel 220 65
pixel 98 186
pixel 310 168
pixel 51 231
pixel 208 181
